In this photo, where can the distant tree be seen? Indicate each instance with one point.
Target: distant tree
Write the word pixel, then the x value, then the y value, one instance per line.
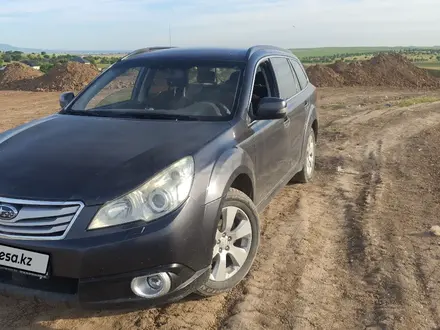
pixel 45 67
pixel 1 62
pixel 17 56
pixel 46 56
pixel 91 59
pixel 106 60
pixel 43 53
pixel 438 58
pixel 7 58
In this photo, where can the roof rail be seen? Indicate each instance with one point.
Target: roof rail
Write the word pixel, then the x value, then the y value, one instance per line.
pixel 256 48
pixel 142 51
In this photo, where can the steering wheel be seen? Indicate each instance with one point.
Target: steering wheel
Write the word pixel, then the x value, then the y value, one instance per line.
pixel 219 108
pixel 183 99
pixel 223 109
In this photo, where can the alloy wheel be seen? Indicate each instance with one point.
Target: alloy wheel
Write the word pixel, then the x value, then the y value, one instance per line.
pixel 233 241
pixel 310 155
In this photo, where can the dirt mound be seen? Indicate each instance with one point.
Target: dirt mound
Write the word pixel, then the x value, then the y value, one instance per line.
pixel 339 66
pixel 70 76
pixel 324 76
pixel 125 80
pixel 15 73
pixel 391 70
pixel 394 70
pixel 353 73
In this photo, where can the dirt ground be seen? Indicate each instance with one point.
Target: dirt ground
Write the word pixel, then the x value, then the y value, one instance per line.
pixel 350 251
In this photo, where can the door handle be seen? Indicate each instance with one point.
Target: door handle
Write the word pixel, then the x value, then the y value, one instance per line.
pixel 306 103
pixel 286 122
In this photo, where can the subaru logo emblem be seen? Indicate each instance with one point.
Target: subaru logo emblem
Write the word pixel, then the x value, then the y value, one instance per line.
pixel 7 212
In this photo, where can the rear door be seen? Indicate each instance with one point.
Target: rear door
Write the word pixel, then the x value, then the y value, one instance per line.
pixel 290 90
pixel 306 97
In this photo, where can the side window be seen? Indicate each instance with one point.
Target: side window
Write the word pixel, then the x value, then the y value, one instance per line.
pixel 303 80
pixel 262 85
pixel 118 90
pixel 288 84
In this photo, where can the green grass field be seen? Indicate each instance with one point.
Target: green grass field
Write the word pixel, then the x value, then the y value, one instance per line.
pixel 429 65
pixel 329 51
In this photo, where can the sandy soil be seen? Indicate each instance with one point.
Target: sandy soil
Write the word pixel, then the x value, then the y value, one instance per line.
pixel 350 251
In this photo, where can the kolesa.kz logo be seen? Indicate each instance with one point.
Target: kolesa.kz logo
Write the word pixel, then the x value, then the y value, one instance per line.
pixel 15 258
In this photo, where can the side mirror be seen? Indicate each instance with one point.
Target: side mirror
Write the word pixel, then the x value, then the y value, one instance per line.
pixel 271 108
pixel 66 98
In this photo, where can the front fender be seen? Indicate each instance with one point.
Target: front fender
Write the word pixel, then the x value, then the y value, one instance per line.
pixel 227 168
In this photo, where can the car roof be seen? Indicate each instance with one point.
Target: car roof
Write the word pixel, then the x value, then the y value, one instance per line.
pixel 232 54
pixel 206 53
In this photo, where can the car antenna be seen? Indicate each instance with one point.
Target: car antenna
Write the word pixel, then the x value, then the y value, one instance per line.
pixel 169 33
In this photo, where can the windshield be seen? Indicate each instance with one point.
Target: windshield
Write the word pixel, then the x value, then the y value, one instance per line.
pixel 166 90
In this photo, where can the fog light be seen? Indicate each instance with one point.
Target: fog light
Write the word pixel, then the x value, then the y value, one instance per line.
pixel 151 286
pixel 155 282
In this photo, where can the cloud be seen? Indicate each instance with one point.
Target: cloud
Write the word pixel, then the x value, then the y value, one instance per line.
pixel 127 23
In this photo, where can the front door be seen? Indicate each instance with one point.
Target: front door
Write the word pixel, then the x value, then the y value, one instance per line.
pixel 271 137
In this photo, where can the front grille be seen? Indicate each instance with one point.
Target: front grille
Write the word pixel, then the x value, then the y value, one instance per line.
pixel 39 220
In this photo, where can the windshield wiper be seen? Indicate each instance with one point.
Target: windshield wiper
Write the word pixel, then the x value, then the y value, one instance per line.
pixel 83 113
pixel 138 114
pixel 152 115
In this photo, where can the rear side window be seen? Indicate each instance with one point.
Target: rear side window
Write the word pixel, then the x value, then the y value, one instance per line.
pixel 288 85
pixel 300 74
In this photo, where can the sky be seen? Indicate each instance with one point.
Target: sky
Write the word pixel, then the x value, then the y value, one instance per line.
pixel 131 24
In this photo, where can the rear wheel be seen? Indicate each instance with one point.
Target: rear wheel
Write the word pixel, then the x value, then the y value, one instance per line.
pixel 236 242
pixel 306 174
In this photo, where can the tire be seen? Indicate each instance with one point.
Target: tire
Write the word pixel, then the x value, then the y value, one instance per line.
pixel 308 168
pixel 245 218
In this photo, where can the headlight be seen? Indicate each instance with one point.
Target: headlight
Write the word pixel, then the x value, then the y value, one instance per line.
pixel 160 195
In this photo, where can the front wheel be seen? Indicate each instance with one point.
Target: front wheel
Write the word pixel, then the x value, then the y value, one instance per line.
pixel 236 242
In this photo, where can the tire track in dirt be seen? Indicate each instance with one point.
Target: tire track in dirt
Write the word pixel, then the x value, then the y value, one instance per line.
pixel 282 234
pixel 297 284
pixel 368 239
pixel 359 194
pixel 415 202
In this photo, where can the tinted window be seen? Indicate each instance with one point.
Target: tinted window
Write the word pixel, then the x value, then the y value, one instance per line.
pixel 196 90
pixel 118 90
pixel 300 74
pixel 287 83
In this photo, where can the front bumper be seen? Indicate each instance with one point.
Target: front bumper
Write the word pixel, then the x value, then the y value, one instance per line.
pixel 100 292
pixel 98 267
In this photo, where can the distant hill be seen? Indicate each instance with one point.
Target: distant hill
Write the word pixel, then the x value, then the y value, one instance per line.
pixel 6 47
pixel 329 51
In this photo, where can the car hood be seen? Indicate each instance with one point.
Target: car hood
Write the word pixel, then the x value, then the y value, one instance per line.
pixel 93 159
